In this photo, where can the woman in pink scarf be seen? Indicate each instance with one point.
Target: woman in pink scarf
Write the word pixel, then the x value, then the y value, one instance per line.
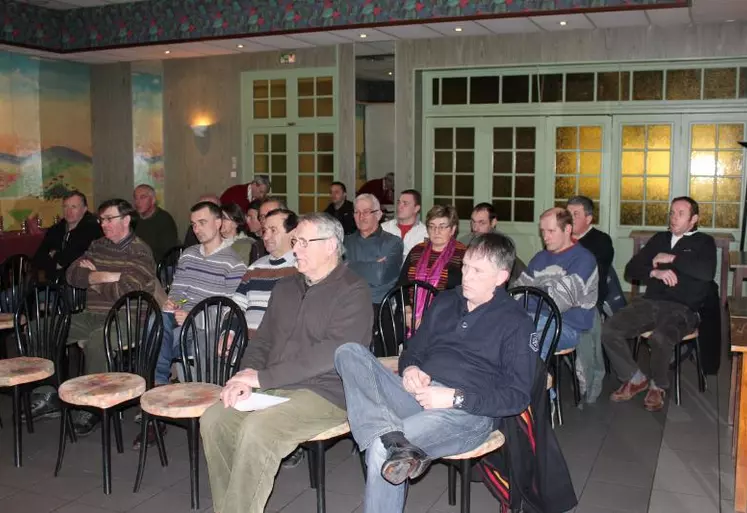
pixel 438 260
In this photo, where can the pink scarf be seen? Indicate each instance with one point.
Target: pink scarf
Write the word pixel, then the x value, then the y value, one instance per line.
pixel 422 273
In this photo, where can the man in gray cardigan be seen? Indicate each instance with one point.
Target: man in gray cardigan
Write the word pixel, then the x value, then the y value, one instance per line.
pixel 309 316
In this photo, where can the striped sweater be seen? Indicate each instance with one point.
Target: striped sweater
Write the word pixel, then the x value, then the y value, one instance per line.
pixel 131 257
pixel 199 276
pixel 451 274
pixel 253 294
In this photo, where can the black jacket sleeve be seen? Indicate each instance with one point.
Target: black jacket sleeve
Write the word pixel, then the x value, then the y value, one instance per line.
pixel 640 266
pixel 699 264
pixel 79 242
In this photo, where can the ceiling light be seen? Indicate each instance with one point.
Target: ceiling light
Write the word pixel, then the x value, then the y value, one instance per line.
pixel 167 52
pixel 458 29
pixel 364 36
pixel 239 46
pixel 730 21
pixel 390 73
pixel 563 23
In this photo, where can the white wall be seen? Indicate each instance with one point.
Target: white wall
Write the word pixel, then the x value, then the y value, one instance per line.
pixel 379 139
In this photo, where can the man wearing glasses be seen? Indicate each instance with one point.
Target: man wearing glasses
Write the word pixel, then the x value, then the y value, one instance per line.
pixel 114 265
pixel 310 315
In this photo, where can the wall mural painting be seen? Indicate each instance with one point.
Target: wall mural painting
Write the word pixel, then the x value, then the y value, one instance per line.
pixel 147 129
pixel 45 136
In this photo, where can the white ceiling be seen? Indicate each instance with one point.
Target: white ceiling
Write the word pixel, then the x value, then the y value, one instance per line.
pixel 380 40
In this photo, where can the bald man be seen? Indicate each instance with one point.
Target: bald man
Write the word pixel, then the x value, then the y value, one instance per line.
pixel 190 239
pixel 156 226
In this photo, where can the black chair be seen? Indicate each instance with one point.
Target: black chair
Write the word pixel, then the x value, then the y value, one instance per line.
pixel 41 325
pixel 166 268
pixel 391 327
pixel 133 332
pixel 206 359
pixel 16 279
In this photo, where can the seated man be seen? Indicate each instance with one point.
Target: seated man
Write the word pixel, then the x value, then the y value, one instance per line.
pixel 309 316
pixel 407 225
pixel 114 265
pixel 268 205
pixel 340 207
pixel 68 239
pixel 472 361
pixel 190 239
pixel 568 273
pixel 375 255
pixel 677 267
pixel 155 226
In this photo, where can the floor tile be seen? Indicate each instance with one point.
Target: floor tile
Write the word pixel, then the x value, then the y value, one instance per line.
pixel 616 497
pixel 668 502
pixel 336 503
pixel 122 497
pixel 170 501
pixel 624 473
pixel 25 502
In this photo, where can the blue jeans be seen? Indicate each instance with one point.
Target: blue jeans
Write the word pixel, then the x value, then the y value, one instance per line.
pixel 377 404
pixel 169 348
pixel 569 336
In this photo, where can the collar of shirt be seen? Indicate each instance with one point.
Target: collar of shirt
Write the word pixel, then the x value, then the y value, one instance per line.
pixel 676 238
pixel 288 257
pixel 225 244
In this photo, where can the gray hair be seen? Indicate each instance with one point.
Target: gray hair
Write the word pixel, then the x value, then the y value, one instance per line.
pixel 375 205
pixel 328 227
pixel 496 247
pixel 147 187
pixel 585 202
pixel 262 180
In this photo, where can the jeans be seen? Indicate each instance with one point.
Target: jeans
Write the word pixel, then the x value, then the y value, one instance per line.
pixel 169 348
pixel 377 404
pixel 569 336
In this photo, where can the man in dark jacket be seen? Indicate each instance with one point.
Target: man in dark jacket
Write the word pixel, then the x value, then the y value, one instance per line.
pixel 472 360
pixel 68 239
pixel 309 316
pixel 677 267
pixel 340 207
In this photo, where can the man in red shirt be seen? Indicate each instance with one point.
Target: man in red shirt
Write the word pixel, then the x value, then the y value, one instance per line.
pixel 245 193
pixel 382 188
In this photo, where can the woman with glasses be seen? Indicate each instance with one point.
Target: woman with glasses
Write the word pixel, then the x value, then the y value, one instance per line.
pixel 234 229
pixel 438 260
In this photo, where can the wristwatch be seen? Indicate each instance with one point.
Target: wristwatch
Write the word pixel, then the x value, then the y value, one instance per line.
pixel 458 398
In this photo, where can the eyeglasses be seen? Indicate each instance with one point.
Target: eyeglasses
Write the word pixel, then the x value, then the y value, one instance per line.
pixel 305 243
pixel 108 219
pixel 438 227
pixel 364 213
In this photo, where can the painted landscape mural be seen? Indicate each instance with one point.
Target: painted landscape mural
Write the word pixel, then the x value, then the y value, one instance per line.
pixel 45 136
pixel 147 129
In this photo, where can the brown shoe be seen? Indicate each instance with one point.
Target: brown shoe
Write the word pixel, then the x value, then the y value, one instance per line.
pixel 628 391
pixel 150 436
pixel 654 400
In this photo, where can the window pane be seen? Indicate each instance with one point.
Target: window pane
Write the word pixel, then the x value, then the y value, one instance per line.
pixel 465 138
pixel 705 218
pixel 465 162
pixel 443 162
pixel 325 142
pixel 305 87
pixel 647 85
pixel 278 143
pixel 566 138
pixel 634 137
pixel 565 186
pixel 502 186
pixel 454 91
pixel 443 185
pixel 631 214
pixel 306 142
pixel 632 162
pixel 590 138
pixel 657 189
pixel 525 162
pixel 625 86
pixel 525 138
pixel 579 87
pixel 730 163
pixel 277 88
pixel 463 208
pixel 279 184
pixel 515 89
pixel 260 143
pixel 683 84
pixel 324 107
pixel 261 164
pixel 547 88
pixel 278 164
pixel 306 108
pixel 436 91
pixel 743 82
pixel 324 86
pixel 325 164
pixel 659 137
pixel 277 109
pixel 589 187
pixel 503 162
pixel 524 187
pixel 306 204
pixel 503 138
pixel 443 138
pixel 502 209
pixel 306 184
pixel 656 214
pixel 720 84
pixel 591 163
pixel 306 163
pixel 260 89
pixel 703 137
pixel 465 185
pixel 261 109
pixel 631 189
pixel 524 211
pixel 657 163
pixel 727 216
pixel 730 135
pixel 728 189
pixel 484 90
pixel 565 163
pixel 608 86
pixel 701 189
pixel 703 163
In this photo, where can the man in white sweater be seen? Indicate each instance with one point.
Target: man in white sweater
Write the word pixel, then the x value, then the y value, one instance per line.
pixel 407 226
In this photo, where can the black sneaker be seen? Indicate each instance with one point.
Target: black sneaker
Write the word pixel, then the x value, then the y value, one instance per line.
pixel 294 460
pixel 85 423
pixel 43 406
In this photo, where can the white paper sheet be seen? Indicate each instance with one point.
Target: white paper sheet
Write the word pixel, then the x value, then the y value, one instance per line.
pixel 258 401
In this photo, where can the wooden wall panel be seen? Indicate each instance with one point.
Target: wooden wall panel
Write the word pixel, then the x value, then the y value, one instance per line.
pixel 111 125
pixel 625 44
pixel 346 115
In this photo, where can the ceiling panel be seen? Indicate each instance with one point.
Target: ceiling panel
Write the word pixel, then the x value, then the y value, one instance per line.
pixel 372 35
pixel 410 31
pixel 669 17
pixel 381 48
pixel 719 10
pixel 319 38
pixel 207 49
pixel 555 22
pixel 509 25
pixel 249 45
pixel 281 42
pixel 618 19
pixel 455 28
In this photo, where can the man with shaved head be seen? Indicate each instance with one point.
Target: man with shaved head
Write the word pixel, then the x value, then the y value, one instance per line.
pixel 156 226
pixel 568 273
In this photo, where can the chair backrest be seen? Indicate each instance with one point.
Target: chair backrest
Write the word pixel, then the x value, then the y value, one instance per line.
pixel 539 304
pixel 133 333
pixel 16 279
pixel 42 324
pixel 390 323
pixel 167 267
pixel 75 297
pixel 207 356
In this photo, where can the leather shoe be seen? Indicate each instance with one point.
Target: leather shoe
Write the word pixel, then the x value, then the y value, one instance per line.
pixel 43 406
pixel 85 423
pixel 404 461
pixel 150 436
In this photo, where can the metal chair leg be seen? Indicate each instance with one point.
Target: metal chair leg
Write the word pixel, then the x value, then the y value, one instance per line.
pixel 116 420
pixel 319 477
pixel 465 469
pixel 558 401
pixel 452 484
pixel 702 384
pixel 312 466
pixel 193 439
pixel 27 407
pixel 364 467
pixel 17 427
pixel 64 424
pixel 571 360
pixel 106 450
pixel 677 367
pixel 142 458
pixel 160 444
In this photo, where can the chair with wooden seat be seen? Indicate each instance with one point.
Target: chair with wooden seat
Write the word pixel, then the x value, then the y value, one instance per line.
pixel 317 448
pixel 133 331
pixel 694 336
pixel 208 361
pixel 390 324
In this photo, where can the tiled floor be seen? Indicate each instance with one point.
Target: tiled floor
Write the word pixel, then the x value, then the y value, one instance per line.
pixel 622 459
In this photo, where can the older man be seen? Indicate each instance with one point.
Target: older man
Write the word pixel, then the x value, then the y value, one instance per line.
pixel 245 193
pixel 472 361
pixel 371 252
pixel 155 226
pixel 310 315
pixel 68 239
pixel 114 265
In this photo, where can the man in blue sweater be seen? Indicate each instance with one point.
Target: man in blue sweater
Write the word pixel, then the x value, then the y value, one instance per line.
pixel 677 267
pixel 568 273
pixel 472 360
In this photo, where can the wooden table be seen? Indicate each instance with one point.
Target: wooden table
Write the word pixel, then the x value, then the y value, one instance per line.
pixel 6 321
pixel 723 241
pixel 738 310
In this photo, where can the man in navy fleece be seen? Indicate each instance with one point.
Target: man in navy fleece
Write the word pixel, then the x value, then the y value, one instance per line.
pixel 568 273
pixel 472 360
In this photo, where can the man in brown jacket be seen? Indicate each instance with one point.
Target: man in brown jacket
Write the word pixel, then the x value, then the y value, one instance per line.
pixel 309 316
